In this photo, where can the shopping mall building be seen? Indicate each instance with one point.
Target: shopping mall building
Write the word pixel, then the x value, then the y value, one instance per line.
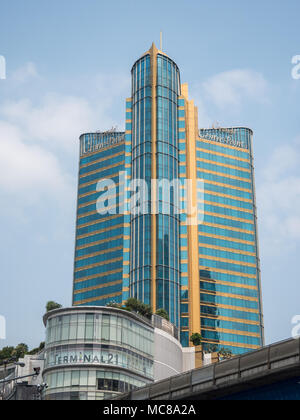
pixel 97 352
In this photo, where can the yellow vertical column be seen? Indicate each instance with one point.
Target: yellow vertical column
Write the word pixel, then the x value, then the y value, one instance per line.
pixel 153 58
pixel 193 252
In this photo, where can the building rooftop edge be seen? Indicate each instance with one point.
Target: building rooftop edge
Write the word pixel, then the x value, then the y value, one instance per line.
pixel 227 128
pixel 97 308
pixel 102 132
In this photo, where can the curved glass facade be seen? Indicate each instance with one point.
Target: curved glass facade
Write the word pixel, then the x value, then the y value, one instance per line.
pixel 102 246
pixel 168 275
pixel 230 295
pixel 167 84
pixel 140 270
pixel 231 255
pixel 101 351
pixel 88 384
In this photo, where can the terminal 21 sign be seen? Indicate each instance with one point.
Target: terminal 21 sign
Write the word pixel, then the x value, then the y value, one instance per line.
pixel 122 358
pixel 106 358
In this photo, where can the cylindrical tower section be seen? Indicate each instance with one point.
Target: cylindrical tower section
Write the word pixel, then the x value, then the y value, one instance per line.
pixel 155 277
pixel 140 267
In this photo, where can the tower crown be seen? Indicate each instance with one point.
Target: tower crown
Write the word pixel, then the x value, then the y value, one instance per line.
pixel 153 50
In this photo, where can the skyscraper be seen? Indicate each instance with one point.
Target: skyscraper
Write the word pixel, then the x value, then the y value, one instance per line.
pixel 154 271
pixel 101 266
pixel 206 274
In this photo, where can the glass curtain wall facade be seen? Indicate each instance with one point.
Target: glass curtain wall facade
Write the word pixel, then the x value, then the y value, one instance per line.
pixel 231 307
pixel 167 245
pixel 140 267
pixel 154 273
pixel 207 275
pixel 229 293
pixel 101 267
pixel 96 353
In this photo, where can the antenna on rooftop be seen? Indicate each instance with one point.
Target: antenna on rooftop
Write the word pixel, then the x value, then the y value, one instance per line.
pixel 216 125
pixel 161 43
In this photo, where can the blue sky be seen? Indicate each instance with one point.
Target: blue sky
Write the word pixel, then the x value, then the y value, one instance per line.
pixel 68 71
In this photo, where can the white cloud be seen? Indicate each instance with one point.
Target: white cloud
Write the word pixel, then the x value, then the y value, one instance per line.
pixel 28 170
pixel 25 73
pixel 278 197
pixel 39 140
pixel 233 87
pixel 58 121
pixel 284 160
